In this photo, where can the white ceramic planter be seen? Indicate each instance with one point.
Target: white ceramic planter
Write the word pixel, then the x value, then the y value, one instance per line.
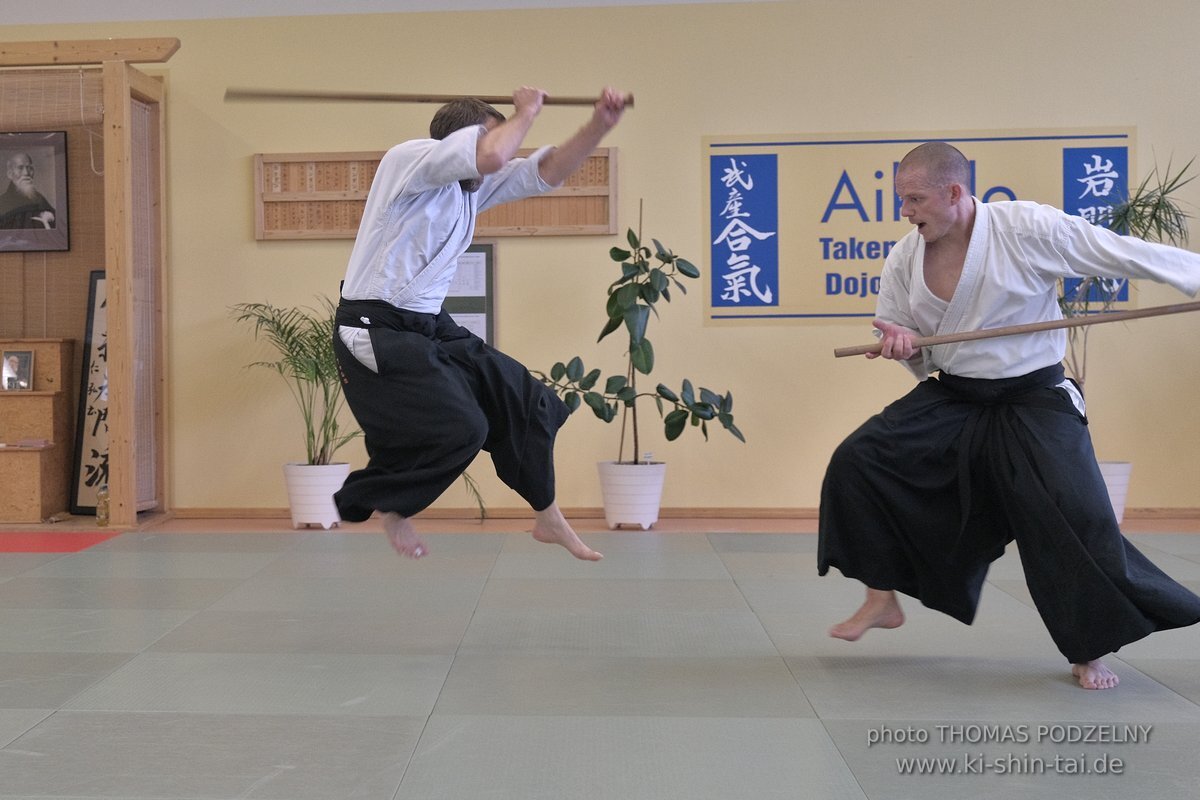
pixel 1116 478
pixel 632 492
pixel 310 492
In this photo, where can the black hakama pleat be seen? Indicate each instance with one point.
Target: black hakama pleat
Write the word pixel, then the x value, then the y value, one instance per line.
pixel 440 396
pixel 925 495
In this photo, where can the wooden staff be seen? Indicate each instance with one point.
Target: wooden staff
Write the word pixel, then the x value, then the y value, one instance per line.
pixel 380 97
pixel 1032 327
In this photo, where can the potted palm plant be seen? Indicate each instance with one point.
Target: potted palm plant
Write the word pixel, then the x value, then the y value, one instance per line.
pixel 632 484
pixel 1149 212
pixel 303 337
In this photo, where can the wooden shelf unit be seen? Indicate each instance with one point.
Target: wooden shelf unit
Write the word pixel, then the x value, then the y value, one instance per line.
pixel 35 479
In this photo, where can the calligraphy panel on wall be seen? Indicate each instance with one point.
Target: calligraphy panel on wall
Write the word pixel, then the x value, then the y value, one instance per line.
pixel 799 226
pixel 91 430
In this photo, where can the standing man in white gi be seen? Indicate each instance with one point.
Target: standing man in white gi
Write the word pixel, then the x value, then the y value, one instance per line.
pixel 926 494
pixel 428 394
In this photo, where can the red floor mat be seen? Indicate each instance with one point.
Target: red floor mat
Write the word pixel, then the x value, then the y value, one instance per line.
pixel 51 542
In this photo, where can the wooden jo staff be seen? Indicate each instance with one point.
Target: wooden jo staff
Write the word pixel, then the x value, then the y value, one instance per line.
pixel 1033 327
pixel 381 97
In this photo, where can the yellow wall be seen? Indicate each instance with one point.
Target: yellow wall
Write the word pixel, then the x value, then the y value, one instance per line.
pixel 793 67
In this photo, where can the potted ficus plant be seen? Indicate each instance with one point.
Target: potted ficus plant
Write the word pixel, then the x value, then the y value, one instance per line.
pixel 632 484
pixel 1149 212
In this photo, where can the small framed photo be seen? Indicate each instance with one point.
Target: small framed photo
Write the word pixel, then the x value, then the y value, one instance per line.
pixel 33 191
pixel 17 371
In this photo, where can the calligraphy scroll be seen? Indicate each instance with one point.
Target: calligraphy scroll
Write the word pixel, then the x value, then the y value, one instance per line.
pixel 91 431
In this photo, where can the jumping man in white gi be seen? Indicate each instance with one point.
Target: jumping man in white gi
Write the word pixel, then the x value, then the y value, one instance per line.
pixel 428 394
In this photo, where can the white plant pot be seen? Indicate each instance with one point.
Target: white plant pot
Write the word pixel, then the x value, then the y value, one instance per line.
pixel 632 492
pixel 310 492
pixel 1116 478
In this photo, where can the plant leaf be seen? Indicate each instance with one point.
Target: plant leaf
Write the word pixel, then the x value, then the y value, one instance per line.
pixel 612 324
pixel 642 356
pixel 627 296
pixel 687 268
pixel 664 391
pixel 674 423
pixel 614 384
pixel 636 318
pixel 602 410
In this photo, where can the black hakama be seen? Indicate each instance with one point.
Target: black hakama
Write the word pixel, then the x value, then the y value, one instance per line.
pixel 925 495
pixel 441 395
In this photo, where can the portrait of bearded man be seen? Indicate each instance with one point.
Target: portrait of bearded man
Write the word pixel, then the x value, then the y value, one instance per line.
pixel 22 205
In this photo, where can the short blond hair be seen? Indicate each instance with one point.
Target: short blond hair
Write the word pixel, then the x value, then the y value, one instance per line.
pixel 943 163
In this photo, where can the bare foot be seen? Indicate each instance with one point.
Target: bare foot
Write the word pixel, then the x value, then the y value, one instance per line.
pixel 403 535
pixel 879 610
pixel 1094 675
pixel 551 527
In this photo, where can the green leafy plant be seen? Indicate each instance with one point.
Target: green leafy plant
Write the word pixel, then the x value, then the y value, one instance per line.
pixel 648 277
pixel 476 496
pixel 303 336
pixel 1150 212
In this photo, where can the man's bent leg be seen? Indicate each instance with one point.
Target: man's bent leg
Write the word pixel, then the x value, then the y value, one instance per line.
pixel 881 609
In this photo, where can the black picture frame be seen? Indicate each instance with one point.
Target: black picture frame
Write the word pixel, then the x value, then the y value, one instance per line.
pixel 471 299
pixel 91 429
pixel 37 222
pixel 18 371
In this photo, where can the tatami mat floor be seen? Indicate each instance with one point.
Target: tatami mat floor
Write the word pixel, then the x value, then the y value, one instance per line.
pixel 240 659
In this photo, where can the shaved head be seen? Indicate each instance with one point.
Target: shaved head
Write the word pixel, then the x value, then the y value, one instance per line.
pixel 942 164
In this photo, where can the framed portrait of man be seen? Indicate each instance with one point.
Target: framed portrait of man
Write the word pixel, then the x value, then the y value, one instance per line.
pixel 16 371
pixel 33 191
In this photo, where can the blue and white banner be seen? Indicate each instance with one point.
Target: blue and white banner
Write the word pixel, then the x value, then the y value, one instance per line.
pixel 799 225
pixel 744 203
pixel 1095 179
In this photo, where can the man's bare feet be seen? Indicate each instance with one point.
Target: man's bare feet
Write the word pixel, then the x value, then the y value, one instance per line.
pixel 879 610
pixel 1094 675
pixel 403 535
pixel 551 527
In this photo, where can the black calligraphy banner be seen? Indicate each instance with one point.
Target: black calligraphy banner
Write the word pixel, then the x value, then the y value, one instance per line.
pixel 91 429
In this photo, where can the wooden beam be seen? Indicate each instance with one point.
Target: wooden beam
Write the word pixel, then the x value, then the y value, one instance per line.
pixel 85 51
pixel 119 276
pixel 391 97
pixel 145 88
